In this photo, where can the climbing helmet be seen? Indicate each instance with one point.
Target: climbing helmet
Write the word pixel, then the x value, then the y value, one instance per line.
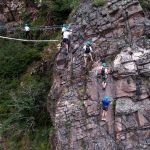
pixel 104 64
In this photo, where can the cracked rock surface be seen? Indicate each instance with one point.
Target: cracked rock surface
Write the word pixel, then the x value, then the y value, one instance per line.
pixel 119 32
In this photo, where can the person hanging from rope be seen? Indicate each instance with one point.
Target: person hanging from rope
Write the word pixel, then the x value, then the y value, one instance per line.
pixel 105 105
pixel 66 36
pixel 27 30
pixel 87 52
pixel 103 72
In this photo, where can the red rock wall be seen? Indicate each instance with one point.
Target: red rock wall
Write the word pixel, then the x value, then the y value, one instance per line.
pixel 77 93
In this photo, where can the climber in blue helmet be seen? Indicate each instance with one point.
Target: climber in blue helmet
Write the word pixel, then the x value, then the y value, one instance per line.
pixel 104 64
pixel 87 52
pixel 105 105
pixel 64 28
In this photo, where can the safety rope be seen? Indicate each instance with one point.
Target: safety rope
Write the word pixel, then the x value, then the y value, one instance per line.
pixel 25 40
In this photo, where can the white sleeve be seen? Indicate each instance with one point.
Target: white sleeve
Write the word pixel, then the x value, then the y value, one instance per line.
pixel 91 49
pixel 106 70
pixel 84 47
pixel 63 29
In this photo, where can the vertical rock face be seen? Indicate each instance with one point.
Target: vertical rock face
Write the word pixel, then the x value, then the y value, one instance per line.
pixel 77 93
pixel 14 12
pixel 10 11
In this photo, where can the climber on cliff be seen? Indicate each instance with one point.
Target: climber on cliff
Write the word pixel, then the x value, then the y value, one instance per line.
pixel 87 52
pixel 64 28
pixel 66 36
pixel 27 31
pixel 103 72
pixel 105 104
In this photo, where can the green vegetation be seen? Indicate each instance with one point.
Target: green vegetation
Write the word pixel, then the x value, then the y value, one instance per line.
pixel 24 118
pixel 98 3
pixel 15 57
pixel 51 12
pixel 145 4
pixel 61 9
pixel 83 144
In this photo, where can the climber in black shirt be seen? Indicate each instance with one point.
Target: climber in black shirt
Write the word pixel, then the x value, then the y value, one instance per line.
pixel 87 52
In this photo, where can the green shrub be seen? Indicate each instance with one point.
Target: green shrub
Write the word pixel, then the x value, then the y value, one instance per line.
pixel 60 10
pixel 23 97
pixel 98 3
pixel 145 4
pixel 29 106
pixel 15 57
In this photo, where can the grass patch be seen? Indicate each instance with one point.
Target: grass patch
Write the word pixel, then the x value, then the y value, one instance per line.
pixel 98 3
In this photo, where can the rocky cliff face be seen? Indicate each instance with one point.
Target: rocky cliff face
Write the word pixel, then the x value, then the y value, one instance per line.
pixel 76 94
pixel 12 12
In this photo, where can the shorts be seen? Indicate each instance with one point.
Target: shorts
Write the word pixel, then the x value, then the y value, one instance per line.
pixel 87 54
pixel 66 41
pixel 105 108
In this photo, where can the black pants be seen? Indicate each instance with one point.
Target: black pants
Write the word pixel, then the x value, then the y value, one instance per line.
pixel 28 36
pixel 66 41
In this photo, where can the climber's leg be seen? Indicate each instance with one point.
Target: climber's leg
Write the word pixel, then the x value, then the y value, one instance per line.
pixel 85 59
pixel 65 42
pixel 91 56
pixel 66 46
pixel 104 113
pixel 104 84
pixel 27 34
pixel 31 35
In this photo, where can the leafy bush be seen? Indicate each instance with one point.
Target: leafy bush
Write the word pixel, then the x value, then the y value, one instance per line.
pixel 29 107
pixel 23 108
pixel 98 3
pixel 59 10
pixel 145 4
pixel 14 58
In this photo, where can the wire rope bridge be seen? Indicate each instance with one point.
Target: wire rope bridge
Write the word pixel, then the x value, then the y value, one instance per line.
pixel 37 34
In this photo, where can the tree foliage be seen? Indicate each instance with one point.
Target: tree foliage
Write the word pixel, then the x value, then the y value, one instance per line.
pixel 23 96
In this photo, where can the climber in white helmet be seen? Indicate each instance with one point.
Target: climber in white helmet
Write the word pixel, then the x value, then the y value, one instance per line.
pixel 66 38
pixel 27 31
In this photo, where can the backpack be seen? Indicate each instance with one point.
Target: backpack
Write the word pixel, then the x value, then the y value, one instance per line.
pixel 87 49
pixel 103 72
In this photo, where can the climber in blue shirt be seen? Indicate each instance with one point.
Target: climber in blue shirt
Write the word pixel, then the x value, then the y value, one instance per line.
pixel 105 105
